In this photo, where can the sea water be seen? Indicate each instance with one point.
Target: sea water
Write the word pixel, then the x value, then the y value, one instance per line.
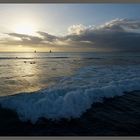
pixel 64 85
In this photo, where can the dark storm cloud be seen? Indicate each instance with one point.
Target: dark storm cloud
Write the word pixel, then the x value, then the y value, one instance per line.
pixel 115 35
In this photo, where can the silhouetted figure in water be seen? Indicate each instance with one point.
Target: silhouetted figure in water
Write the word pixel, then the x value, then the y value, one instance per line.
pixel 35 51
pixel 50 51
pixel 33 62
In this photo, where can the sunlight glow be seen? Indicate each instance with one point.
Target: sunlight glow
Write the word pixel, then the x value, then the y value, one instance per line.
pixel 26 27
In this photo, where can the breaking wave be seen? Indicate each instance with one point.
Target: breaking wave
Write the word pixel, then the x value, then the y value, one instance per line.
pixel 72 96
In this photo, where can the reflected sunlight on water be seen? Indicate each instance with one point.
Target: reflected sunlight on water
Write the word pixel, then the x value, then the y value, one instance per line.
pixel 19 77
pixel 32 74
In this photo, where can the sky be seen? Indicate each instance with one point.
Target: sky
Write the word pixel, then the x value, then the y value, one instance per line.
pixel 69 27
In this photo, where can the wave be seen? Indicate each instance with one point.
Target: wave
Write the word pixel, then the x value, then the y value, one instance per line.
pixel 72 96
pixel 51 57
pixel 32 57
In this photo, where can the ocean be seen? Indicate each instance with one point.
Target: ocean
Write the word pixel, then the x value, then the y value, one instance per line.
pixel 64 85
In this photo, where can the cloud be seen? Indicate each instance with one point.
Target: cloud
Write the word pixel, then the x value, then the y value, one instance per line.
pixel 121 25
pixel 76 29
pixel 115 35
pixel 26 39
pixel 48 37
pixel 118 34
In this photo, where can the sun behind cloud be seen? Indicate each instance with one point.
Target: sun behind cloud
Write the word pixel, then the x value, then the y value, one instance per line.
pixel 25 27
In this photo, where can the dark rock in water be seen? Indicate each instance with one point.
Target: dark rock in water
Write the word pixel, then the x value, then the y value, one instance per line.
pixel 118 116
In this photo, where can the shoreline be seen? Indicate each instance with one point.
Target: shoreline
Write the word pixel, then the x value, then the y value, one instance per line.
pixel 118 116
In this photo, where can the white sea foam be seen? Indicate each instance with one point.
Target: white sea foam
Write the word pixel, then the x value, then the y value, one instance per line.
pixel 74 95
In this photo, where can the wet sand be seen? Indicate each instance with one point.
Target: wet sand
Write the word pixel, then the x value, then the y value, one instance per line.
pixel 118 116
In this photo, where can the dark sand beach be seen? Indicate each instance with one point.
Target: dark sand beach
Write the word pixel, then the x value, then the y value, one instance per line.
pixel 118 116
